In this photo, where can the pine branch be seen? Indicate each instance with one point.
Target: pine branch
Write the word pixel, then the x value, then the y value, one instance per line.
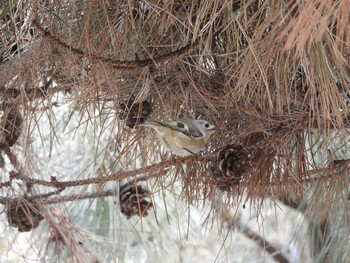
pixel 114 177
pixel 136 64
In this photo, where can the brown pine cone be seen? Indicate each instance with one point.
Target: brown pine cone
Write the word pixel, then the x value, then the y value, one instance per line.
pixel 232 162
pixel 134 200
pixel 23 213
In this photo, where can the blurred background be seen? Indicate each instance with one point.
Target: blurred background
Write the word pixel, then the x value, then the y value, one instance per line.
pixel 82 181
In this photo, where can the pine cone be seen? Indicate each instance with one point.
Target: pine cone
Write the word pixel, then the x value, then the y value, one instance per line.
pixel 231 164
pixel 134 113
pixel 23 213
pixel 11 126
pixel 134 200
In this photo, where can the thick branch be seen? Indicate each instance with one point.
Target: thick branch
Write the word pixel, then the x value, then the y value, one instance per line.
pixel 233 221
pixel 264 244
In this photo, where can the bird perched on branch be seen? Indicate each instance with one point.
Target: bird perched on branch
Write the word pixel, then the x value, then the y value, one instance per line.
pixel 182 137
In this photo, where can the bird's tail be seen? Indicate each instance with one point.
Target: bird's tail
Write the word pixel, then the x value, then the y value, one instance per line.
pixel 151 124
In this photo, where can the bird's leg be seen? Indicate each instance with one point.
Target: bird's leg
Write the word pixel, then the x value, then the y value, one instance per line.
pixel 188 151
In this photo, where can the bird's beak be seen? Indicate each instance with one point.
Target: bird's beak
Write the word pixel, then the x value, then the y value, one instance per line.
pixel 212 130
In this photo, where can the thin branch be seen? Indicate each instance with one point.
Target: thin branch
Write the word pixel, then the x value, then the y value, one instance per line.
pixel 61 199
pixel 42 196
pixel 114 177
pixel 78 197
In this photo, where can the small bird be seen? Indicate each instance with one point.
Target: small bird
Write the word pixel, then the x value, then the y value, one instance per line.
pixel 182 137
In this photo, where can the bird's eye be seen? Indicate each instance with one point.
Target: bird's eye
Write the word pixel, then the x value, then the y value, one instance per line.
pixel 206 125
pixel 180 125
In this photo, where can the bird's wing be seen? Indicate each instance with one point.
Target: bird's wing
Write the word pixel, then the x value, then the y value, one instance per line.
pixel 183 128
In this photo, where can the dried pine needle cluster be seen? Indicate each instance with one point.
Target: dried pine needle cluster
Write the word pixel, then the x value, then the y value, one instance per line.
pixel 273 75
